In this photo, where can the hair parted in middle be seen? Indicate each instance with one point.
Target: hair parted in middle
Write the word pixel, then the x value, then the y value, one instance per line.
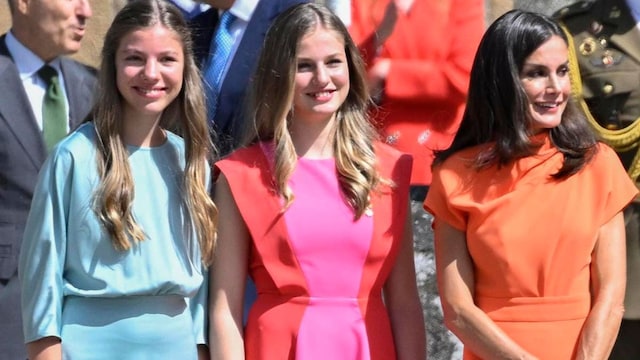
pixel 497 108
pixel 186 115
pixel 271 105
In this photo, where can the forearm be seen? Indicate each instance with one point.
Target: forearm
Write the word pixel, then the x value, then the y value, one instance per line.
pixel 225 339
pixel 608 269
pixel 600 331
pixel 409 335
pixel 48 348
pixel 482 336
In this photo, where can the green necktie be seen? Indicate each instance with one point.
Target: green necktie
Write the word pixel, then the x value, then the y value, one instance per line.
pixel 54 110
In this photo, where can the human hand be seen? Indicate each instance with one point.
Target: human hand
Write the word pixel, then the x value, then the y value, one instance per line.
pixel 388 23
pixel 376 77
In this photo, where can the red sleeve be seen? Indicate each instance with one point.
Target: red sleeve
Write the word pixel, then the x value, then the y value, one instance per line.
pixel 441 71
pixel 362 31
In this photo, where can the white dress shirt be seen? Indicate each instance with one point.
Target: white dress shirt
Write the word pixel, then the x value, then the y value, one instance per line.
pixel 28 65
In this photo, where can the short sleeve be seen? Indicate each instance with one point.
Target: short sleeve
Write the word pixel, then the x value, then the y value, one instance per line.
pixel 438 201
pixel 620 189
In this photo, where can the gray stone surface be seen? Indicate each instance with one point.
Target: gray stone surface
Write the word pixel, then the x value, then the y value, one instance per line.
pixel 441 343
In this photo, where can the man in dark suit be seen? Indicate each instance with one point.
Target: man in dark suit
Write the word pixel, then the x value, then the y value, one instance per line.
pixel 253 18
pixel 606 44
pixel 42 32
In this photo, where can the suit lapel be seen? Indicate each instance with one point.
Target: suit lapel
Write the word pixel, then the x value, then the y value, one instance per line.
pixel 202 30
pixel 250 43
pixel 242 66
pixel 629 41
pixel 16 111
pixel 79 92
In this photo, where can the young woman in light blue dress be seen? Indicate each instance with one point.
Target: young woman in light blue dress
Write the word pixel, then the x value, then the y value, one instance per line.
pixel 121 226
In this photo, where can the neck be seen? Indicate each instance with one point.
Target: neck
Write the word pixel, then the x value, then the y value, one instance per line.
pixel 313 139
pixel 142 131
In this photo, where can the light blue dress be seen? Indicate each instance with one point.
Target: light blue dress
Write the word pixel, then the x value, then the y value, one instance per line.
pixel 145 303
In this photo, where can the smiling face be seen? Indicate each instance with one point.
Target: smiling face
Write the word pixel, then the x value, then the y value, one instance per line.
pixel 322 76
pixel 149 71
pixel 545 80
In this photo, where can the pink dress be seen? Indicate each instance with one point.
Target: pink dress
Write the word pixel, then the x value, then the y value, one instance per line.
pixel 331 249
pixel 319 274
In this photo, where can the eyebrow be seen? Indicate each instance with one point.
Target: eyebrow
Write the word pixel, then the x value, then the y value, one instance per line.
pixel 531 64
pixel 134 50
pixel 337 54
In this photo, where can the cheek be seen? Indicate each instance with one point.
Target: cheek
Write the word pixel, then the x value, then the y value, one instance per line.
pixel 565 86
pixel 299 87
pixel 177 77
pixel 301 81
pixel 124 75
pixel 47 27
pixel 341 77
pixel 54 19
pixel 533 89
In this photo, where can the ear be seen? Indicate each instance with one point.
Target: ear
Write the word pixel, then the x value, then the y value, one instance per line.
pixel 22 6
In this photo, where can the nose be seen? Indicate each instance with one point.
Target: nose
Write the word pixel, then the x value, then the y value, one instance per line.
pixel 150 71
pixel 83 10
pixel 321 75
pixel 553 85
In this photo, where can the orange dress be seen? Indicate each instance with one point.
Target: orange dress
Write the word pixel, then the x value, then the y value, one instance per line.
pixel 431 51
pixel 530 239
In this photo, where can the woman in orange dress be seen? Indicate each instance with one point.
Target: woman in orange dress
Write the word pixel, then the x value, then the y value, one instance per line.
pixel 527 203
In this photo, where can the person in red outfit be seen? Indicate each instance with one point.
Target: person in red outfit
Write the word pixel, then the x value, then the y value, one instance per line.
pixel 315 210
pixel 419 55
pixel 529 230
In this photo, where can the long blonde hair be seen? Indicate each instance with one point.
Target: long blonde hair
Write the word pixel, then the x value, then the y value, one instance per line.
pixel 271 100
pixel 185 115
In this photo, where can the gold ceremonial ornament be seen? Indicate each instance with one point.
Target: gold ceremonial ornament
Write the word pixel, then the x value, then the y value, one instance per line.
pixel 588 46
pixel 620 140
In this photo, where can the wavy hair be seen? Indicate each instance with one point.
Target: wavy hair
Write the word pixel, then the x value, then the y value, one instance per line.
pixel 185 115
pixel 497 108
pixel 271 99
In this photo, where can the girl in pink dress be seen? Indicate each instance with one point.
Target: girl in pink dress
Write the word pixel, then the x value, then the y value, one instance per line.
pixel 315 210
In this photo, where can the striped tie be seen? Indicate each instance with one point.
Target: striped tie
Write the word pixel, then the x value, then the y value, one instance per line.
pixel 220 50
